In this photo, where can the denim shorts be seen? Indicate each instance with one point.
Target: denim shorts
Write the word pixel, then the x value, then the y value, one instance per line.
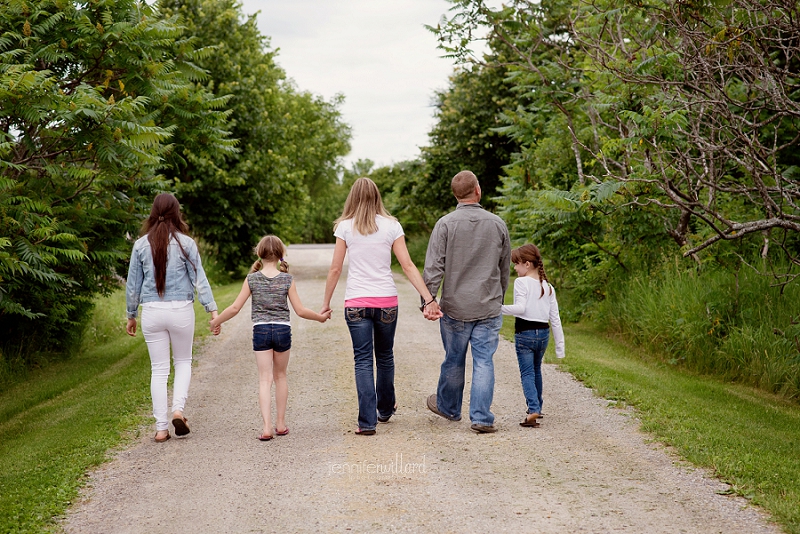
pixel 277 337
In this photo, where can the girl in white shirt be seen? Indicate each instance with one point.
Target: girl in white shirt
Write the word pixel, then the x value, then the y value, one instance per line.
pixel 370 235
pixel 536 311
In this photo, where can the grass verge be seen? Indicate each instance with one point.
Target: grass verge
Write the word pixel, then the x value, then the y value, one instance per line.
pixel 61 421
pixel 747 437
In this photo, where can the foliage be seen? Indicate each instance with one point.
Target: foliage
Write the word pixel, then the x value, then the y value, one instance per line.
pixel 736 324
pixel 689 113
pixel 90 97
pixel 289 143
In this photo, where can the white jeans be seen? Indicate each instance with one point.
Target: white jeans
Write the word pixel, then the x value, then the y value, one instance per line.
pixel 161 327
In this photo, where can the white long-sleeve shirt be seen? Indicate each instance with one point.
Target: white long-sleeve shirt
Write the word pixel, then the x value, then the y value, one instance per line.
pixel 531 305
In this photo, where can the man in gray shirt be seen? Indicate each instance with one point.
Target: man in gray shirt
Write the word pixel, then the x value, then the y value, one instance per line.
pixel 470 249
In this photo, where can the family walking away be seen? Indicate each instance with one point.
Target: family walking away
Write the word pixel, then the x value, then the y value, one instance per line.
pixel 369 235
pixel 164 272
pixel 536 311
pixel 469 256
pixel 270 285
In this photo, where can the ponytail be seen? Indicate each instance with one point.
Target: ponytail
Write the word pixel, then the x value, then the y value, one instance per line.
pixel 257 266
pixel 283 266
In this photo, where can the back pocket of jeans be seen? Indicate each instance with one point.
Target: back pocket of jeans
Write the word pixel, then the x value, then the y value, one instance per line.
pixel 354 315
pixel 389 315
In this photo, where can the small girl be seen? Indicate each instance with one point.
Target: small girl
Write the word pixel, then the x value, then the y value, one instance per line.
pixel 269 283
pixel 536 311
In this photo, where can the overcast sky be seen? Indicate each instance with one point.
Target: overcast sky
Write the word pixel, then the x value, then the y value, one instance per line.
pixel 377 53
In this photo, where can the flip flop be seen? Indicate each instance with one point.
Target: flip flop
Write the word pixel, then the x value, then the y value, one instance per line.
pixel 531 421
pixel 283 433
pixel 181 428
pixel 265 437
pixel 360 432
pixel 162 440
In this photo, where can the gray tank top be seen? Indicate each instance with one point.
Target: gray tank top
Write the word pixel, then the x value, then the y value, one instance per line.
pixel 270 297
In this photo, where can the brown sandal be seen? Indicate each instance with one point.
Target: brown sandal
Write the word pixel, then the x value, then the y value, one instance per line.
pixel 161 440
pixel 181 428
pixel 531 420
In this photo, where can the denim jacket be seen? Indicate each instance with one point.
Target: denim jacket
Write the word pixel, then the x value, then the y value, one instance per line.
pixel 181 281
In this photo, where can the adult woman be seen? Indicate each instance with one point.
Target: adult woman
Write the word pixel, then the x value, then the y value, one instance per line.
pixel 164 272
pixel 369 234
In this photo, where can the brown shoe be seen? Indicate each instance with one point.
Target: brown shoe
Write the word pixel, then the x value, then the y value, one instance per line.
pixel 432 406
pixel 531 420
pixel 162 440
pixel 181 428
pixel 483 429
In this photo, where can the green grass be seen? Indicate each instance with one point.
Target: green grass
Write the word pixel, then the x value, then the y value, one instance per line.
pixel 749 438
pixel 61 421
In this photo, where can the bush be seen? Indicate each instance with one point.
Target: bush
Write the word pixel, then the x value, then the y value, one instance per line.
pixel 736 324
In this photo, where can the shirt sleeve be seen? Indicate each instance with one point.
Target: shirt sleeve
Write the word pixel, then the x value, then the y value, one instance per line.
pixel 133 285
pixel 520 299
pixel 341 231
pixel 505 260
pixel 204 294
pixel 555 324
pixel 433 272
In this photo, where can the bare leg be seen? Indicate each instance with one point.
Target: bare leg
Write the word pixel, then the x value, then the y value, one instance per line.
pixel 281 361
pixel 264 363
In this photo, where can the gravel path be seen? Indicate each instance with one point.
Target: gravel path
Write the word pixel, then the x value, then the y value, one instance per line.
pixel 586 469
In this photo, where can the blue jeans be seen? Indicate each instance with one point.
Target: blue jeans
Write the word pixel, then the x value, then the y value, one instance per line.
pixel 483 337
pixel 373 329
pixel 530 346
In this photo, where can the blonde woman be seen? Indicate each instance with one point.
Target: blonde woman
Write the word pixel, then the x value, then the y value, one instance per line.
pixel 369 235
pixel 271 286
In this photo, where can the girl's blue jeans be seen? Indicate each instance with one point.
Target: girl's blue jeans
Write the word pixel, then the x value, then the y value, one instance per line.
pixel 530 346
pixel 372 330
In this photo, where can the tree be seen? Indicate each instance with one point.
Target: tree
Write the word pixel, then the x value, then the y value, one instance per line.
pixel 90 94
pixel 289 142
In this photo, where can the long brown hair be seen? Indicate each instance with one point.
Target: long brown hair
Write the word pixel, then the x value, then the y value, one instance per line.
pixel 531 253
pixel 164 222
pixel 270 248
pixel 362 205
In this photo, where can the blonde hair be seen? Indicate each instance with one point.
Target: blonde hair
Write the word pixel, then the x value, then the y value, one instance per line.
pixel 362 205
pixel 463 184
pixel 270 248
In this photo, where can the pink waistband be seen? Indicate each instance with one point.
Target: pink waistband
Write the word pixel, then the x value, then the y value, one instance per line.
pixel 371 302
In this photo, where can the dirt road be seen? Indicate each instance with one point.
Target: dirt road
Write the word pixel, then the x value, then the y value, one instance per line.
pixel 586 469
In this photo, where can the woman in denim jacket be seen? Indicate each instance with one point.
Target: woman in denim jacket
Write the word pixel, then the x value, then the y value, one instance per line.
pixel 164 272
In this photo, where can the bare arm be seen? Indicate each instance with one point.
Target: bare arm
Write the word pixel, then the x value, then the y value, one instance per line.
pixel 231 311
pixel 412 273
pixel 334 273
pixel 304 312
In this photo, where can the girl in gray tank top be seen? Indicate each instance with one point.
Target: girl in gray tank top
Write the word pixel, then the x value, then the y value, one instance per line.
pixel 272 288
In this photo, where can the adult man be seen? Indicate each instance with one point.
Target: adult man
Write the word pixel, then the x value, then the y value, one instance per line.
pixel 469 248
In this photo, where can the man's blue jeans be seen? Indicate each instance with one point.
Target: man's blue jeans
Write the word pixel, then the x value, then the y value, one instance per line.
pixel 373 329
pixel 483 337
pixel 530 346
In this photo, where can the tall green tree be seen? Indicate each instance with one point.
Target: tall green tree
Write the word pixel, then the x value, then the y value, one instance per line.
pixel 290 142
pixel 91 94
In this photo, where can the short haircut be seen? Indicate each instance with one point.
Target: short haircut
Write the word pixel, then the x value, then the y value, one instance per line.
pixel 463 184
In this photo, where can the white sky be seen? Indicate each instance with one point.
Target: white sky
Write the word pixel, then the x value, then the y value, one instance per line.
pixel 376 53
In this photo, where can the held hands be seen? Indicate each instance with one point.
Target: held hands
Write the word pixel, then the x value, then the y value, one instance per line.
pixel 215 324
pixel 432 312
pixel 326 314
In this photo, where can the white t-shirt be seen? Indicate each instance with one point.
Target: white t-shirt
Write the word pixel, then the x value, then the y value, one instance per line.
pixel 369 273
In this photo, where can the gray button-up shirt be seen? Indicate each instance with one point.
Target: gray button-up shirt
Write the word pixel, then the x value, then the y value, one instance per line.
pixel 469 248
